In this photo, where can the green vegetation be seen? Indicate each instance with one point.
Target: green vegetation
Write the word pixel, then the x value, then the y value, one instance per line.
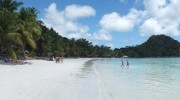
pixel 20 31
pixel 155 46
pixel 51 43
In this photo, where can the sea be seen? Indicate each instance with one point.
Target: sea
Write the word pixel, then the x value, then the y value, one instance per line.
pixel 142 79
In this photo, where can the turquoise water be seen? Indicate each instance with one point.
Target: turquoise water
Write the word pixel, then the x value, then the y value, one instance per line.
pixel 143 79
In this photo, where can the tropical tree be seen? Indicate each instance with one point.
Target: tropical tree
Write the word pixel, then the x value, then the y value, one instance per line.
pixel 17 29
pixel 10 39
pixel 9 5
pixel 29 27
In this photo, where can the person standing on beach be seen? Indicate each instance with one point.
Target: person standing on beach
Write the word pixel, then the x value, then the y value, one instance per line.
pixel 57 60
pixel 127 63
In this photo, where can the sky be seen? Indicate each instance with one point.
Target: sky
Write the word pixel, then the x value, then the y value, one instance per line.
pixel 114 23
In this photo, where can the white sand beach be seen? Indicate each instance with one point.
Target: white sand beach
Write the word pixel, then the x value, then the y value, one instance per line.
pixel 44 80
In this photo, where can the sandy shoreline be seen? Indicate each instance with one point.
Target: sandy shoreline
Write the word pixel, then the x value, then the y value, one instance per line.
pixel 42 80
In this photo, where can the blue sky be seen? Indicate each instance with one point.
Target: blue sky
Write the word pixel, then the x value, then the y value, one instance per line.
pixel 115 23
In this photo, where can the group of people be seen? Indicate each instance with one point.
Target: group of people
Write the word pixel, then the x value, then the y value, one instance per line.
pixel 127 63
pixel 8 59
pixel 59 60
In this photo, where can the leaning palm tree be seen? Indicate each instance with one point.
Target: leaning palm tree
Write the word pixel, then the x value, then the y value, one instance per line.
pixel 17 29
pixel 16 33
pixel 9 5
pixel 30 27
pixel 10 39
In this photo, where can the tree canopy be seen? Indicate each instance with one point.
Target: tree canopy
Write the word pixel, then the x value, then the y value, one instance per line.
pixel 52 44
pixel 18 30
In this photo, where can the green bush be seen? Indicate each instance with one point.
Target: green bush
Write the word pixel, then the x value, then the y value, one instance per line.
pixel 32 54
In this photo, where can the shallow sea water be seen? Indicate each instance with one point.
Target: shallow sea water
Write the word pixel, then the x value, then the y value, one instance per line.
pixel 143 79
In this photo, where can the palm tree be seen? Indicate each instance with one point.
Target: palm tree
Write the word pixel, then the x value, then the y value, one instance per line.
pixel 9 5
pixel 10 39
pixel 30 27
pixel 17 29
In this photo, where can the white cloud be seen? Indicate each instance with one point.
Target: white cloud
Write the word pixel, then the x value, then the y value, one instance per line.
pixel 75 11
pixel 162 17
pixel 64 22
pixel 151 26
pixel 101 35
pixel 158 17
pixel 115 22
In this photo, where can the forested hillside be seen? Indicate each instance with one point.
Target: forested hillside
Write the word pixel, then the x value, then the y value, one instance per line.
pixel 155 46
pixel 51 43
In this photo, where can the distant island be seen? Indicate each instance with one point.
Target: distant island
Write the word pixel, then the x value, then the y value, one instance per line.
pixel 155 46
pixel 22 33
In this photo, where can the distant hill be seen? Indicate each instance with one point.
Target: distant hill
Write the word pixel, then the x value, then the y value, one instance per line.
pixel 155 46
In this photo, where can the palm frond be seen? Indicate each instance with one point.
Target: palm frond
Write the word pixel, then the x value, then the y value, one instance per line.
pixel 27 34
pixel 14 38
pixel 34 28
pixel 11 53
pixel 32 43
pixel 9 5
pixel 19 27
pixel 36 31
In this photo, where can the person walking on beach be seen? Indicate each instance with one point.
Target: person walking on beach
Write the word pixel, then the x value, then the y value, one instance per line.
pixel 57 60
pixel 122 65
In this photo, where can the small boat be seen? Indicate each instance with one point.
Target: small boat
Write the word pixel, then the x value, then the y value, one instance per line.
pixel 125 56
